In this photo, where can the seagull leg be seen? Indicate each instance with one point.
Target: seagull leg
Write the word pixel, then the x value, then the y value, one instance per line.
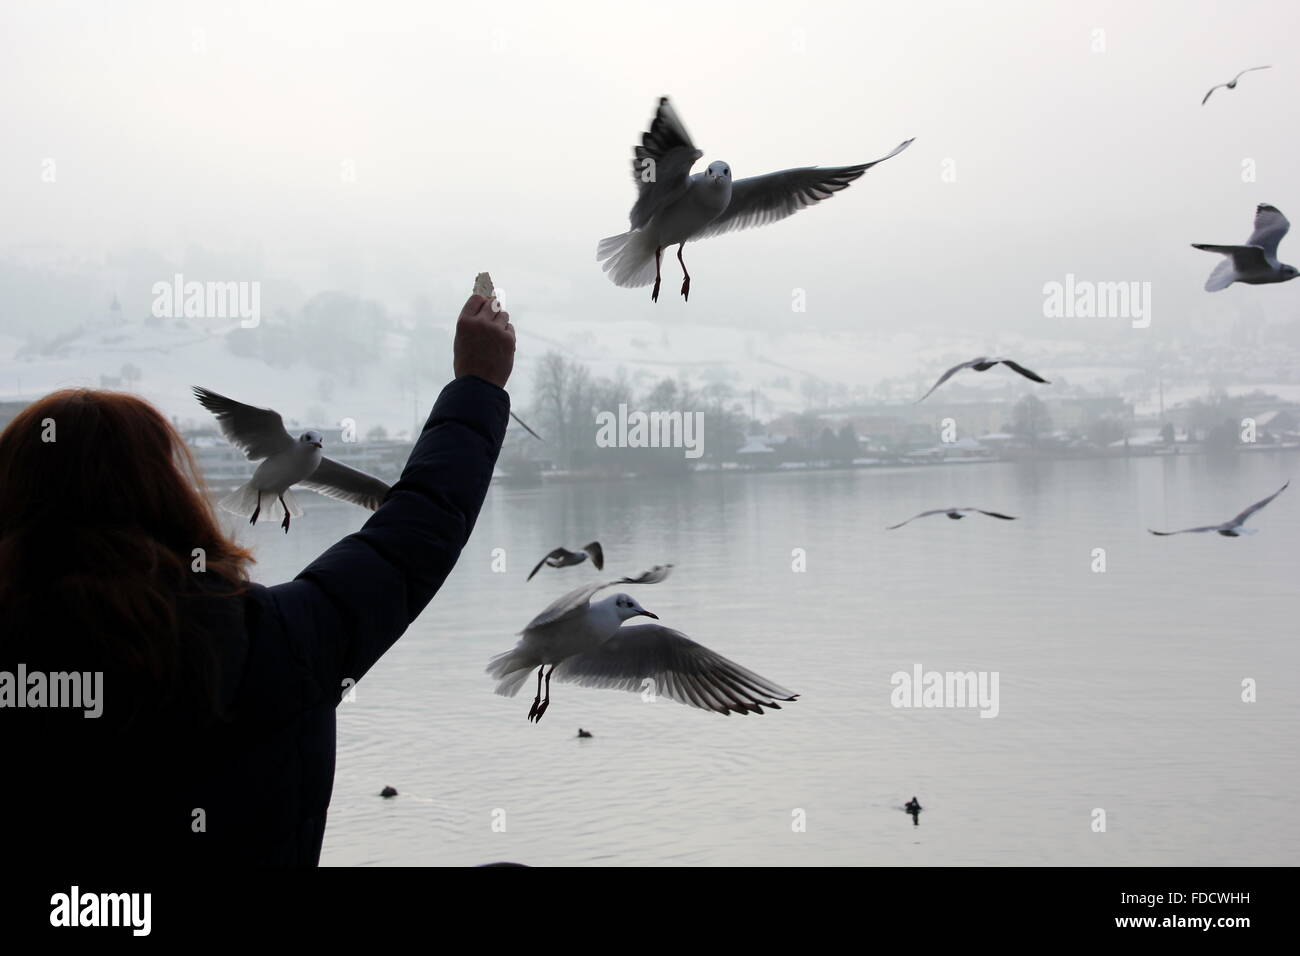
pixel 686 282
pixel 654 295
pixel 538 699
pixel 285 523
pixel 256 511
pixel 546 701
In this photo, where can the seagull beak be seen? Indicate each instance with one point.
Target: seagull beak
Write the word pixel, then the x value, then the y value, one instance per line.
pixel 316 444
pixel 649 614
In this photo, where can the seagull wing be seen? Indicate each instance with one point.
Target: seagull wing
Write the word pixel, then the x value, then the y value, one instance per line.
pixel 1241 518
pixel 1270 227
pixel 923 514
pixel 945 376
pixel 1203 102
pixel 596 553
pixel 1208 527
pixel 557 553
pixel 681 670
pixel 1250 69
pixel 991 514
pixel 758 200
pixel 525 427
pixel 335 480
pixel 1032 376
pixel 662 164
pixel 567 605
pixel 257 432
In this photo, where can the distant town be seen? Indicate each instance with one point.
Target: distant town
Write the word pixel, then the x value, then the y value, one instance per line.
pixel 742 409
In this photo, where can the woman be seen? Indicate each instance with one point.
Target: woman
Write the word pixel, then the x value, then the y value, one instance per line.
pixel 215 733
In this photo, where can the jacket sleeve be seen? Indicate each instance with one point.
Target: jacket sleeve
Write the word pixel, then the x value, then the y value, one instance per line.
pixel 354 601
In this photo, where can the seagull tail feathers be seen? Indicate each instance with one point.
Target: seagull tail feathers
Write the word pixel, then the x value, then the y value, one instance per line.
pixel 1223 276
pixel 511 668
pixel 628 258
pixel 1225 273
pixel 243 502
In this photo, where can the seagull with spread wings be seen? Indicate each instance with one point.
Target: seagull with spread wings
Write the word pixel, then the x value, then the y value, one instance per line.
pixel 956 514
pixel 1232 83
pixel 260 434
pixel 674 207
pixel 564 558
pixel 1256 262
pixel 584 643
pixel 1231 528
pixel 983 364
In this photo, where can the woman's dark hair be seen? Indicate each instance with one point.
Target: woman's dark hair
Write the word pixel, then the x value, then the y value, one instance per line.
pixel 101 512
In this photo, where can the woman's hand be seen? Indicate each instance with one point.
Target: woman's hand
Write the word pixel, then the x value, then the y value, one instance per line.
pixel 485 342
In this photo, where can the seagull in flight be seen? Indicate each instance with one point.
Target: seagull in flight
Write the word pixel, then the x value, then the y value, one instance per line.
pixel 260 434
pixel 983 364
pixel 564 558
pixel 1256 262
pixel 1232 83
pixel 583 642
pixel 674 207
pixel 956 514
pixel 1232 528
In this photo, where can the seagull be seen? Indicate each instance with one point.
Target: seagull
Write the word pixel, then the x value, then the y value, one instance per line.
pixel 1233 528
pixel 563 558
pixel 954 513
pixel 260 433
pixel 584 643
pixel 983 364
pixel 1255 263
pixel 673 207
pixel 583 733
pixel 1232 83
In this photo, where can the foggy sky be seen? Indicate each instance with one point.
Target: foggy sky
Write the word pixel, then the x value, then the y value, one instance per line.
pixel 497 136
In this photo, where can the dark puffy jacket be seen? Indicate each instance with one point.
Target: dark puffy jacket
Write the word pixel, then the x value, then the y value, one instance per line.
pixel 263 777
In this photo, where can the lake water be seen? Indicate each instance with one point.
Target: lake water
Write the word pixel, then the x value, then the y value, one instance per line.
pixel 1118 690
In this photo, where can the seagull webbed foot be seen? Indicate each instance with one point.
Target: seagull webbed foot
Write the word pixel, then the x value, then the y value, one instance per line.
pixel 654 293
pixel 686 288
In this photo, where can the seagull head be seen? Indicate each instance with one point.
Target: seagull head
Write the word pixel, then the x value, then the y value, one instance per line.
pixel 718 173
pixel 1290 272
pixel 625 606
pixel 312 439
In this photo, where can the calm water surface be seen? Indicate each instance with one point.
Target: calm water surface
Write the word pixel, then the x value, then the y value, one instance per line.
pixel 1118 690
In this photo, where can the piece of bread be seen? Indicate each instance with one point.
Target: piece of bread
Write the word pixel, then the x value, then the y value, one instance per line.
pixel 483 286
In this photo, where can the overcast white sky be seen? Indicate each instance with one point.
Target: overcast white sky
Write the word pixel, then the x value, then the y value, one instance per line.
pixel 497 136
